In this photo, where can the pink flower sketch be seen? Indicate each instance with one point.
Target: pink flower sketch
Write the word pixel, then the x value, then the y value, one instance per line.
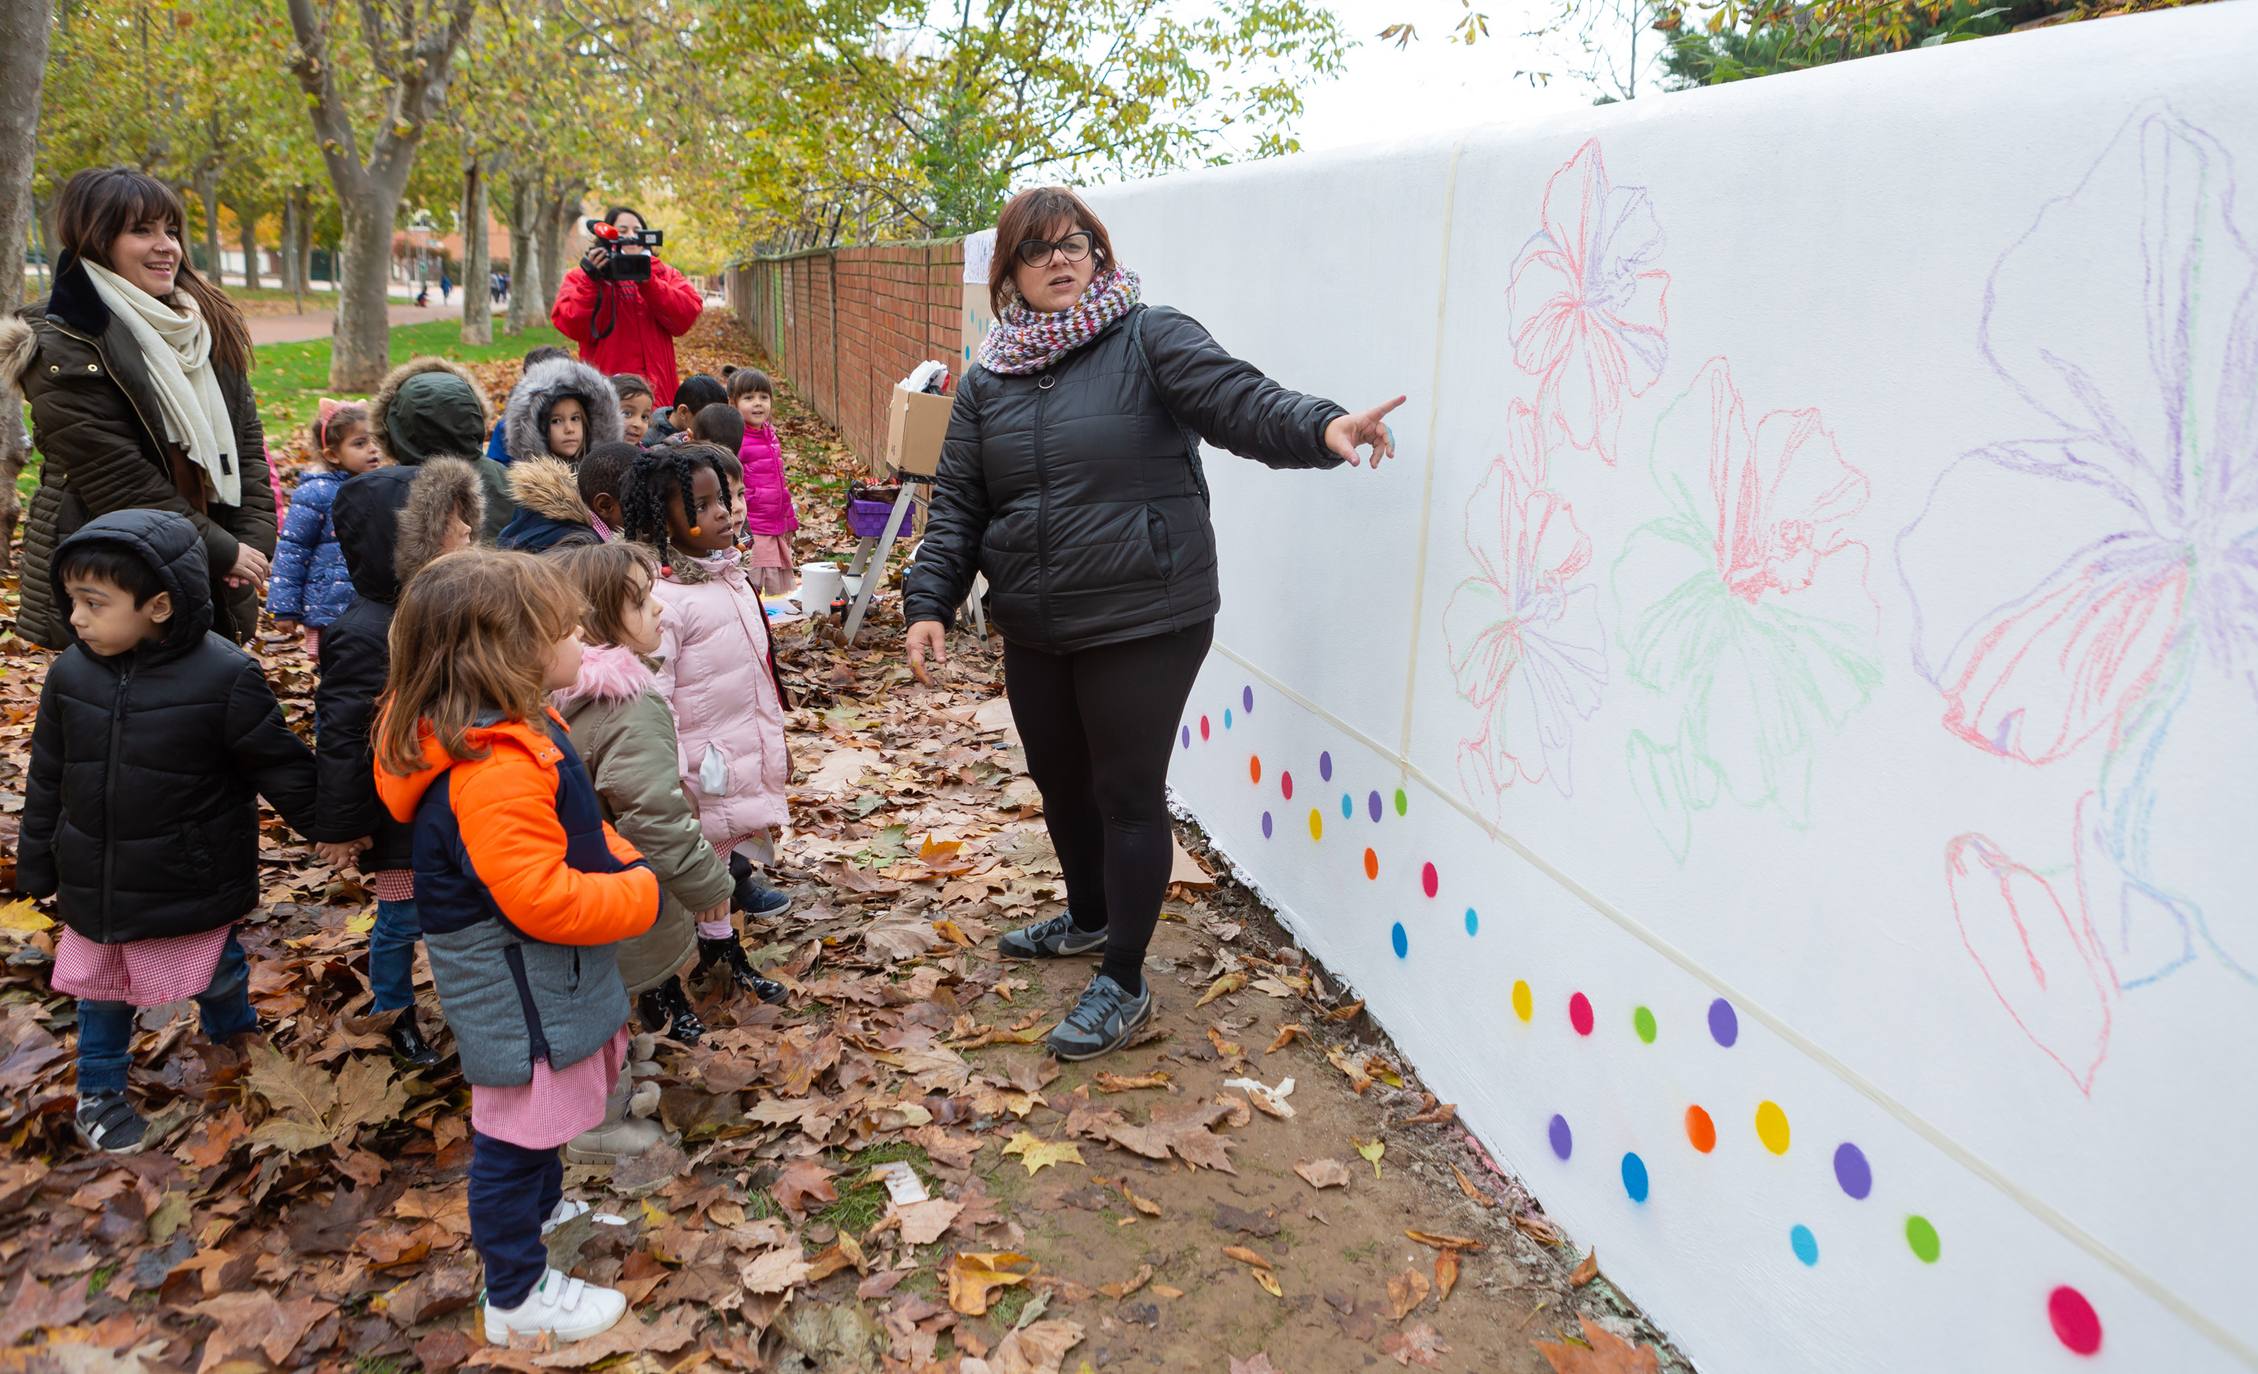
pixel 1588 303
pixel 1526 647
pixel 2127 593
pixel 2043 962
pixel 1764 640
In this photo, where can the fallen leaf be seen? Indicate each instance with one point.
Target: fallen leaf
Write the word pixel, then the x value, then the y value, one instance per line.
pixel 20 918
pixel 1229 1049
pixel 1271 1100
pixel 1359 1080
pixel 1446 1274
pixel 803 1180
pixel 1129 1285
pixel 256 1321
pixel 1602 1352
pixel 1116 1083
pixel 1143 1204
pixel 1371 1150
pixel 1442 1242
pixel 1538 1229
pixel 1586 1270
pixel 1037 1153
pixel 36 1306
pixel 974 1277
pixel 923 1222
pixel 1260 1364
pixel 1269 1282
pixel 1466 1186
pixel 1323 1173
pixel 1418 1346
pixel 672 1331
pixel 1286 1036
pixel 312 1108
pixel 1405 1291
pixel 1245 1256
pixel 1345 1013
pixel 1036 1348
pixel 774 1271
pixel 1162 1290
pixel 1222 987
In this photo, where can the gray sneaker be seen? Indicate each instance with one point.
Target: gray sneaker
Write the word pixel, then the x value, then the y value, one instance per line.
pixel 1056 938
pixel 1103 1021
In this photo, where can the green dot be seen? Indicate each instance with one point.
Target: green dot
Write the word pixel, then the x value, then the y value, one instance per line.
pixel 1642 1021
pixel 1403 802
pixel 1923 1238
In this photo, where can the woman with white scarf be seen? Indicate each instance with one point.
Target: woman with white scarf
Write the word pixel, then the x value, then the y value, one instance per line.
pixel 135 372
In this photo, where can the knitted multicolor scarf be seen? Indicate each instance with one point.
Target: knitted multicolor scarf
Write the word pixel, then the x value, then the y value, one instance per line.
pixel 1025 341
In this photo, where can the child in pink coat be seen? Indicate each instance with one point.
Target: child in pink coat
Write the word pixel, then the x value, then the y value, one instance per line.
pixel 717 669
pixel 770 518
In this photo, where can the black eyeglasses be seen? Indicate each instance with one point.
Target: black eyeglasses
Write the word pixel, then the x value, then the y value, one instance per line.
pixel 1036 252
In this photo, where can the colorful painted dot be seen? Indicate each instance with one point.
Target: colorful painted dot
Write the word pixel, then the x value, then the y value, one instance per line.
pixel 1563 1140
pixel 1371 865
pixel 1246 699
pixel 1524 1002
pixel 1286 785
pixel 1254 768
pixel 1922 1236
pixel 1724 1024
pixel 1205 732
pixel 1266 827
pixel 1316 824
pixel 1473 921
pixel 1325 766
pixel 1373 805
pixel 1580 1013
pixel 1226 717
pixel 1187 737
pixel 1401 941
pixel 1348 807
pixel 2076 1324
pixel 1430 880
pixel 1634 1177
pixel 1701 1132
pixel 1805 1245
pixel 1403 802
pixel 1852 1171
pixel 1772 1127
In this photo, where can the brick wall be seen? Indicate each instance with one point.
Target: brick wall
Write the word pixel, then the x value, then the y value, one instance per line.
pixel 845 324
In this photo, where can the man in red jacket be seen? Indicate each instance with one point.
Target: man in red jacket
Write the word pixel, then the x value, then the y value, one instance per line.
pixel 627 326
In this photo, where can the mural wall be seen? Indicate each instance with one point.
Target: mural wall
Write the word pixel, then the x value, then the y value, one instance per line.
pixel 1780 749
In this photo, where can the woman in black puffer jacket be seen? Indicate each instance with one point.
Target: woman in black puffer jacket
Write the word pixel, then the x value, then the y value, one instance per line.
pixel 1070 478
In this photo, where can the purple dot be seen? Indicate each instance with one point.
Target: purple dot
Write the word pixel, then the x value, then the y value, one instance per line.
pixel 1325 766
pixel 1373 804
pixel 1724 1026
pixel 1187 737
pixel 1852 1171
pixel 1246 700
pixel 1563 1140
pixel 1266 825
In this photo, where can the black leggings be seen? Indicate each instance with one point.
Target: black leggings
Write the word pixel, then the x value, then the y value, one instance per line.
pixel 1099 727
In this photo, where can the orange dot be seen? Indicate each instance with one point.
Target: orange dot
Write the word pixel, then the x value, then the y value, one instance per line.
pixel 1254 768
pixel 1701 1130
pixel 1371 865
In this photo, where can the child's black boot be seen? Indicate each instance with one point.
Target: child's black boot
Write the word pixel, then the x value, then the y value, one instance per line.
pixel 731 957
pixel 666 1010
pixel 408 1044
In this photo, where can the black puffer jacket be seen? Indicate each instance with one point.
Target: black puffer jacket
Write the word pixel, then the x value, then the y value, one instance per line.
pixel 1078 492
pixel 142 808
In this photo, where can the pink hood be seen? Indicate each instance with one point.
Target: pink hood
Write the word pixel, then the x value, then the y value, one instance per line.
pixel 714 670
pixel 608 672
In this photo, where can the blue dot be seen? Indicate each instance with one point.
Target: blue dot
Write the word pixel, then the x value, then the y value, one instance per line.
pixel 1473 922
pixel 1805 1245
pixel 1634 1177
pixel 1563 1140
pixel 1375 807
pixel 1348 808
pixel 1226 717
pixel 1325 766
pixel 1401 941
pixel 1266 825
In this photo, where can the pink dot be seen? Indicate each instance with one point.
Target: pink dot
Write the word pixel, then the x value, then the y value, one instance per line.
pixel 1580 1013
pixel 1204 732
pixel 1429 879
pixel 2076 1324
pixel 1286 784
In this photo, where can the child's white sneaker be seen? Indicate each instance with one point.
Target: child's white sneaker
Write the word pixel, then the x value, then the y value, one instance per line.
pixel 567 1209
pixel 560 1305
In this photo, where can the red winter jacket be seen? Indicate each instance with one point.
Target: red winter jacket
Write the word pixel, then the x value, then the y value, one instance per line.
pixel 638 323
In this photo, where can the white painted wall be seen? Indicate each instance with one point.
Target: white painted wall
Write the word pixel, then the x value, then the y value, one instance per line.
pixel 1938 771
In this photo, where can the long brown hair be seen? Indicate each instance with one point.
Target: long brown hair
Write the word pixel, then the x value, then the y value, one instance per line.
pixel 607 576
pixel 99 203
pixel 1030 215
pixel 471 637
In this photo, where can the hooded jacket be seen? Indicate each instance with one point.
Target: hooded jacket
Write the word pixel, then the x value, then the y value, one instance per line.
pixel 431 408
pixel 309 583
pixel 717 669
pixel 94 416
pixel 390 523
pixel 624 731
pixel 1078 490
pixel 525 416
pixel 768 497
pixel 550 513
pixel 141 812
pixel 629 326
pixel 522 890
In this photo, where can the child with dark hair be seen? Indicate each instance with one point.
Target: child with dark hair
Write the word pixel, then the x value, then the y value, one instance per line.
pixel 153 741
pixel 696 393
pixel 770 517
pixel 498 444
pixel 560 409
pixel 602 478
pixel 717 670
pixel 720 425
pixel 636 402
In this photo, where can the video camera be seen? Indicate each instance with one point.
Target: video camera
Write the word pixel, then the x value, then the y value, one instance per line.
pixel 613 263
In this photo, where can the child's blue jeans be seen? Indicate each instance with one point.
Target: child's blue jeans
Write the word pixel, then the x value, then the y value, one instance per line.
pixel 105 1029
pixel 392 954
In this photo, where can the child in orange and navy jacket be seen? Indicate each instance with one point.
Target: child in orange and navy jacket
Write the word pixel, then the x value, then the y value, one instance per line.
pixel 522 890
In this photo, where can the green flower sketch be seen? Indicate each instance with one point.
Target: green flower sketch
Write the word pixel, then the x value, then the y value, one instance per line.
pixel 1764 642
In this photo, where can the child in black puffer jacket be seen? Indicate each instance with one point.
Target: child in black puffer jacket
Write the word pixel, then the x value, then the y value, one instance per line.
pixel 154 740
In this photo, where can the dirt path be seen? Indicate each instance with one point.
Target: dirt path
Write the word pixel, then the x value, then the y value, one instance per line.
pixel 317 324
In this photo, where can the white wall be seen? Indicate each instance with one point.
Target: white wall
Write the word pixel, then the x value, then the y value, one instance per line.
pixel 1821 582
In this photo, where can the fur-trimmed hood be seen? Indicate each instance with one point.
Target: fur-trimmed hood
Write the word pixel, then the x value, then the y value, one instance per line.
pixel 443 487
pixel 608 672
pixel 413 423
pixel 548 487
pixel 18 346
pixel 543 386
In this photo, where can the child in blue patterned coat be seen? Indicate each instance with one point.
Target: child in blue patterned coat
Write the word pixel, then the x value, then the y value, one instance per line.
pixel 309 585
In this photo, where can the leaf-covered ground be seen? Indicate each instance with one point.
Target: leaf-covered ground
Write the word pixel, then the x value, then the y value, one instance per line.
pixel 1171 1207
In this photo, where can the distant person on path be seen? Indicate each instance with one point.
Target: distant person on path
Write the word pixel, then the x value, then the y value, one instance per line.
pixel 626 325
pixel 135 371
pixel 1067 479
pixel 446 287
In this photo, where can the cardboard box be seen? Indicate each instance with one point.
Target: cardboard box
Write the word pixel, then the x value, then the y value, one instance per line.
pixel 915 425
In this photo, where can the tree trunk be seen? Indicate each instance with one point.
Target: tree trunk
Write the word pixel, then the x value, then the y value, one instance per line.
pixel 302 207
pixel 247 224
pixel 361 352
pixel 293 267
pixel 207 187
pixel 23 59
pixel 525 267
pixel 478 306
pixel 560 214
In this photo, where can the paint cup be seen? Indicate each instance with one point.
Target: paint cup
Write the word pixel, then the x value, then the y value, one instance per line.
pixel 820 584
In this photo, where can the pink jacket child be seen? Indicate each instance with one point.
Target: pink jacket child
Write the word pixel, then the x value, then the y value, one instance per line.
pixel 717 669
pixel 768 500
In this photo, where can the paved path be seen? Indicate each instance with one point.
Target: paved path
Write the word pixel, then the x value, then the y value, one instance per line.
pixel 317 324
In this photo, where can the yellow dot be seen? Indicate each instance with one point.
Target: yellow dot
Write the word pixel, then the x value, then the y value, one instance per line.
pixel 1772 1127
pixel 1316 824
pixel 1524 1005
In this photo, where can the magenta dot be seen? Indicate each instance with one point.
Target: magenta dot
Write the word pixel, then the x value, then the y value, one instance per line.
pixel 1286 785
pixel 1852 1171
pixel 2076 1324
pixel 1205 733
pixel 1266 825
pixel 1430 880
pixel 1563 1140
pixel 1325 766
pixel 1580 1013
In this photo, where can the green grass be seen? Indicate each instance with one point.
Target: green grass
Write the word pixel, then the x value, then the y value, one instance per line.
pixel 291 378
pixel 862 1201
pixel 1005 1307
pixel 99 1280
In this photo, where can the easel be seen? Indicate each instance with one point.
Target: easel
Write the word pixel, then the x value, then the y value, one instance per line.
pixel 869 562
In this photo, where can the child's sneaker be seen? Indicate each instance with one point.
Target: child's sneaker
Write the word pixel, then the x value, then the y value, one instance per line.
pixel 568 1208
pixel 560 1305
pixel 108 1122
pixel 759 901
